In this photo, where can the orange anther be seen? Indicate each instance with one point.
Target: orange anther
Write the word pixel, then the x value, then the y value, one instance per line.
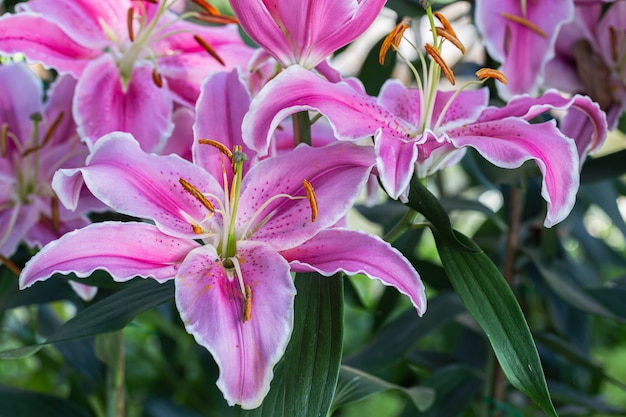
pixel 129 23
pixel 446 24
pixel 524 22
pixel 393 38
pixel 491 73
pixel 156 78
pixel 205 45
pixel 247 305
pixel 450 37
pixel 310 193
pixel 436 56
pixel 196 194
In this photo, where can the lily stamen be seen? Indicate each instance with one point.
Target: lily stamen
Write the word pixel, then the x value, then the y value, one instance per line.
pixel 485 73
pixel 53 127
pixel 197 194
pixel 436 56
pixel 220 147
pixel 247 304
pixel 524 22
pixel 205 45
pixel 614 43
pixel 393 38
pixel 444 33
pixel 129 23
pixel 310 193
pixel 446 24
pixel 11 265
pixel 4 131
pixel 157 78
pixel 208 7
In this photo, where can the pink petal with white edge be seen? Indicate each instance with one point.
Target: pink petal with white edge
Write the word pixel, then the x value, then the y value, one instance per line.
pixel 337 172
pixel 48 45
pixel 86 292
pixel 212 308
pixel 102 105
pixel 352 252
pixel 351 112
pixel 125 250
pixel 139 184
pixel 395 159
pixel 509 142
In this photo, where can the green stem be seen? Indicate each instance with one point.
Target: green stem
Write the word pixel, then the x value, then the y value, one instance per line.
pixel 402 226
pixel 301 128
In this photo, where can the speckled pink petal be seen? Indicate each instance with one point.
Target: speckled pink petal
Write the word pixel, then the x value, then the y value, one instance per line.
pixel 337 173
pixel 139 184
pixel 353 252
pixel 125 250
pixel 212 307
pixel 509 142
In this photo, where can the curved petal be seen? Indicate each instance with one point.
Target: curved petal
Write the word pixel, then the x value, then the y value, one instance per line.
pixel 83 20
pixel 353 252
pixel 138 184
pixel 103 105
pixel 213 309
pixel 125 250
pixel 510 142
pixel 395 159
pixel 221 107
pixel 86 292
pixel 258 23
pixel 351 112
pixel 337 173
pixel 48 45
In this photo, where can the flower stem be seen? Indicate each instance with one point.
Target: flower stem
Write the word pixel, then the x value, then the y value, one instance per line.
pixel 301 128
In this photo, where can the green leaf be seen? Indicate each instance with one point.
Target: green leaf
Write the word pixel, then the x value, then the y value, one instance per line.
pixel 305 379
pixel 19 403
pixel 488 298
pixel 399 336
pixel 355 385
pixel 112 313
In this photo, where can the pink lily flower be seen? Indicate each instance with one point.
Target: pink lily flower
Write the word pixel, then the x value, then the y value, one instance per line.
pixel 419 132
pixel 229 244
pixel 590 59
pixel 305 32
pixel 520 34
pixel 132 59
pixel 36 139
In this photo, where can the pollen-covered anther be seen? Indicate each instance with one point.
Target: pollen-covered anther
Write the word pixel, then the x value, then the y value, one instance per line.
pixel 4 134
pixel 129 23
pixel 197 195
pixel 197 229
pixel 484 73
pixel 205 45
pixel 156 78
pixel 614 43
pixel 436 56
pixel 446 24
pixel 246 314
pixel 524 22
pixel 442 32
pixel 393 38
pixel 220 147
pixel 310 194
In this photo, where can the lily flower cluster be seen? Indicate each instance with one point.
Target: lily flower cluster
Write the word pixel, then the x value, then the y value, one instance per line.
pixel 232 215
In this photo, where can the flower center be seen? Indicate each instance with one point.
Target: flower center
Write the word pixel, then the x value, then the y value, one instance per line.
pixel 226 206
pixel 144 32
pixel 24 157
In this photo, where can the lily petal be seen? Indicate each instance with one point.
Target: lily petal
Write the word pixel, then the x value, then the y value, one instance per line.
pixel 125 250
pixel 352 252
pixel 510 142
pixel 138 184
pixel 48 45
pixel 20 98
pixel 142 109
pixel 351 112
pixel 212 307
pixel 337 173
